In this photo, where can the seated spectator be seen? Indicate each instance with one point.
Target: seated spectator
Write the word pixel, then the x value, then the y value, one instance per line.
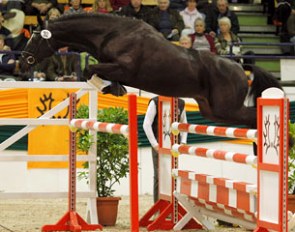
pixel 40 7
pixel 185 41
pixel 16 26
pixel 52 14
pixel 178 5
pixel 135 9
pixel 224 40
pixel 4 31
pixel 281 15
pixel 117 4
pixel 167 21
pixel 59 67
pixel 63 66
pixel 291 31
pixel 7 60
pixel 221 11
pixel 189 16
pixel 201 40
pixel 102 6
pixel 7 5
pixel 75 7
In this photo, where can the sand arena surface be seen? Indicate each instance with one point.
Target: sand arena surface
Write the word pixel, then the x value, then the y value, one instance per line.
pixel 31 215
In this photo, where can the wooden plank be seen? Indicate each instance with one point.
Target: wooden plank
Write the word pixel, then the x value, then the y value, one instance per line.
pixel 31 20
pixel 37 195
pixel 150 2
pixel 33 121
pixel 41 158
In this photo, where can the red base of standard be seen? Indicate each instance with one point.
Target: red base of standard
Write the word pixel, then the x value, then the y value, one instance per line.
pixel 71 221
pixel 163 220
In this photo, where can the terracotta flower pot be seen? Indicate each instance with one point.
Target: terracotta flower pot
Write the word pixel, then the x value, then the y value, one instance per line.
pixel 291 202
pixel 107 210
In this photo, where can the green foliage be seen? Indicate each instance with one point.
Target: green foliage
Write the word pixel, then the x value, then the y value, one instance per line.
pixel 112 150
pixel 291 167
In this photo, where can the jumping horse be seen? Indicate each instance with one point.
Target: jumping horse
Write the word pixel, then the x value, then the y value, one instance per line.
pixel 132 53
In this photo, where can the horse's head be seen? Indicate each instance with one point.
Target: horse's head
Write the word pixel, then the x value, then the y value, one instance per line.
pixel 38 47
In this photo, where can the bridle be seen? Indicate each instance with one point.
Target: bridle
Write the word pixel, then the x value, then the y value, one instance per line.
pixel 29 56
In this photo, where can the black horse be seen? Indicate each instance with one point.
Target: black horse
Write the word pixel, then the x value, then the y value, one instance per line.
pixel 132 53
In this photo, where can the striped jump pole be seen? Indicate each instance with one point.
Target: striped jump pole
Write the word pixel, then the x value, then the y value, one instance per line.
pixel 265 211
pixel 229 132
pixel 130 131
pixel 214 154
pixel 100 126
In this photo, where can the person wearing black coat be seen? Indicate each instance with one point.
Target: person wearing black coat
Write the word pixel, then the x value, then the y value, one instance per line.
pixel 135 9
pixel 166 21
pixel 222 10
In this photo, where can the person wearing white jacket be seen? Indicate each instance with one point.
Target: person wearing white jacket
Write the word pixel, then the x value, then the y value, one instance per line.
pixel 150 126
pixel 189 15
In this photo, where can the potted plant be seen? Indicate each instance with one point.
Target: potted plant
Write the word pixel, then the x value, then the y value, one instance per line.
pixel 291 169
pixel 112 160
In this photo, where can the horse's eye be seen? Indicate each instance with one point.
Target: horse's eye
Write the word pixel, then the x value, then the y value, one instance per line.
pixel 30 60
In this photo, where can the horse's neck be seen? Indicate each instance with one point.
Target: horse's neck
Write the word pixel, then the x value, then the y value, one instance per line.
pixel 79 38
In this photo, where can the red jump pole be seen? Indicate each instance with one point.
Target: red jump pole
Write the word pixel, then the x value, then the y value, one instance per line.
pixel 133 163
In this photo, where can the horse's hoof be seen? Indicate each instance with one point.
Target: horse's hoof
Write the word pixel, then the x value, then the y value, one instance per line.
pixel 115 89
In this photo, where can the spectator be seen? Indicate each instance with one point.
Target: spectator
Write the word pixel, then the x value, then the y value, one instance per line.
pixel 15 25
pixel 291 30
pixel 200 40
pixel 221 11
pixel 282 13
pixel 178 5
pixel 226 38
pixel 4 31
pixel 102 6
pixel 185 41
pixel 150 126
pixel 59 67
pixel 135 9
pixel 7 5
pixel 117 4
pixel 189 16
pixel 7 60
pixel 75 7
pixel 40 7
pixel 167 21
pixel 52 14
pixel 63 66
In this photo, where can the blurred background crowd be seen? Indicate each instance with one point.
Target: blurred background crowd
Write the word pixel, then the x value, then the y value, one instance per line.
pixel 207 25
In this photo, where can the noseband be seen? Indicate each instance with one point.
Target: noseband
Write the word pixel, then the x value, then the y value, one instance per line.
pixel 30 59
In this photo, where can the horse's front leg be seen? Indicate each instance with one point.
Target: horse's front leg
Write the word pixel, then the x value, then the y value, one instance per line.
pixel 101 73
pixel 106 71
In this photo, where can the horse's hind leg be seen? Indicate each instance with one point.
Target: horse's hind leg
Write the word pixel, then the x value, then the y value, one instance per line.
pixel 205 109
pixel 242 116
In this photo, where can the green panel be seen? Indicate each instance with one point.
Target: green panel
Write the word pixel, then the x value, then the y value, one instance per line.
pixel 269 65
pixel 7 131
pixel 252 20
pixel 261 39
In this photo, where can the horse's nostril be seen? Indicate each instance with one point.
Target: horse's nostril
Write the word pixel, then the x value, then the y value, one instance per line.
pixel 30 60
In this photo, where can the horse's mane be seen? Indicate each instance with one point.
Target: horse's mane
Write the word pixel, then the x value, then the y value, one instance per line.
pixel 92 16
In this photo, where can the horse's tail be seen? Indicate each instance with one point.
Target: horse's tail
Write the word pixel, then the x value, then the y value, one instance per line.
pixel 262 80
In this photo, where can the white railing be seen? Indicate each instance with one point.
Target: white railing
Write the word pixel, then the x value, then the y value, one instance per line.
pixel 32 123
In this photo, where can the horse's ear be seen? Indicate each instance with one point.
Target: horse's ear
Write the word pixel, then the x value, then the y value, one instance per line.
pixel 40 21
pixel 45 34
